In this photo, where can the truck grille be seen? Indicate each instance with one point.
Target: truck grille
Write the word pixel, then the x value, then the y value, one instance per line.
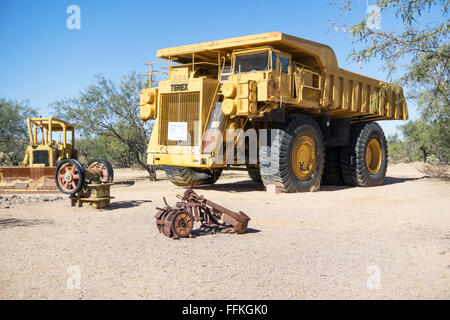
pixel 40 156
pixel 179 107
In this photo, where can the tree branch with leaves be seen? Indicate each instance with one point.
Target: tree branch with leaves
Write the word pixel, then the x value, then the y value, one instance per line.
pixel 111 111
pixel 416 56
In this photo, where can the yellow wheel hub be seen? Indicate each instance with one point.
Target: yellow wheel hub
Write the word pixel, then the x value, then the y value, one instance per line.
pixel 373 156
pixel 304 157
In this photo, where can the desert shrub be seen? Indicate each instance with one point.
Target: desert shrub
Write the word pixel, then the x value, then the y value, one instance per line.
pixel 435 169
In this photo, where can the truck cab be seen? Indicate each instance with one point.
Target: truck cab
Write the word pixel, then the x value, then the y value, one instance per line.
pixel 265 64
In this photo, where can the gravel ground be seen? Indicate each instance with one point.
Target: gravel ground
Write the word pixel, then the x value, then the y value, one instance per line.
pixel 388 242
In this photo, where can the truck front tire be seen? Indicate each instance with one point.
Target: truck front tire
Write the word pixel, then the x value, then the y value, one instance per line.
pixel 294 160
pixel 189 177
pixel 364 162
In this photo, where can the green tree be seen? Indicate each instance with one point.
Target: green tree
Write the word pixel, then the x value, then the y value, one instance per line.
pixel 423 140
pixel 107 147
pixel 13 130
pixel 397 149
pixel 423 44
pixel 107 114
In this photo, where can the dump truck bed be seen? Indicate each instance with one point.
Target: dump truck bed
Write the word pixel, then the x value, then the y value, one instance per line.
pixel 343 93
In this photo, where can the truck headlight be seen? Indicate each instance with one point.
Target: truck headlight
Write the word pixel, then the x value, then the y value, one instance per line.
pixel 229 106
pixel 147 96
pixel 148 104
pixel 229 89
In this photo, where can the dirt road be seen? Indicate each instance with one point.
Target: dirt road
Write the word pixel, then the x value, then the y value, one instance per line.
pixel 389 242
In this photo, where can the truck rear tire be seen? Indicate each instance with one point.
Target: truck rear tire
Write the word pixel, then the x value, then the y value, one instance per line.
pixel 294 159
pixel 189 177
pixel 332 174
pixel 364 162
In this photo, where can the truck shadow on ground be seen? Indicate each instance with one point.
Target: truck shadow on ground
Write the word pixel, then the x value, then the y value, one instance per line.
pixel 393 180
pixel 127 204
pixel 123 183
pixel 201 232
pixel 11 222
pixel 387 181
pixel 249 185
pixel 239 186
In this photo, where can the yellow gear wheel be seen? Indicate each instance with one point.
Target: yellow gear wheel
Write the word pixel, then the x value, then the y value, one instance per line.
pixel 304 157
pixel 373 156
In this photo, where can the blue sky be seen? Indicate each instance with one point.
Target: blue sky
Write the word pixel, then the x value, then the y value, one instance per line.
pixel 42 61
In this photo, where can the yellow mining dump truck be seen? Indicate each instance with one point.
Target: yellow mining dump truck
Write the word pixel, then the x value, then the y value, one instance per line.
pixel 278 104
pixel 41 157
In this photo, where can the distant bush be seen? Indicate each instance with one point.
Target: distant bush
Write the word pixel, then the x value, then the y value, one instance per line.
pixel 434 168
pixel 397 150
pixel 439 171
pixel 422 140
pixel 106 117
pixel 7 159
pixel 13 130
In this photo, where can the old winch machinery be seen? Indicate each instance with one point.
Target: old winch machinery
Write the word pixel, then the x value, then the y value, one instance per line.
pixel 89 184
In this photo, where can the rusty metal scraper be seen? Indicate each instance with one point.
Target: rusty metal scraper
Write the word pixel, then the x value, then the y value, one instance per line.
pixel 178 221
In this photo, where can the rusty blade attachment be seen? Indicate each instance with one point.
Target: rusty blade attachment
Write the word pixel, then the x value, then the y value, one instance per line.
pixel 27 180
pixel 178 222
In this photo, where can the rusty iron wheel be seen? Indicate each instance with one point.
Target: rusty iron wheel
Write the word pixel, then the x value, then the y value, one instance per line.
pixel 69 176
pixel 182 224
pixel 104 167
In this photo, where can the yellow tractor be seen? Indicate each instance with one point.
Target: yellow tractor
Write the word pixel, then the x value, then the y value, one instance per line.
pixel 295 117
pixel 49 144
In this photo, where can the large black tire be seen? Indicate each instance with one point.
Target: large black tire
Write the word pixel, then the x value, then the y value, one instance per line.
pixel 332 174
pixel 276 164
pixel 189 177
pixel 355 169
pixel 254 173
pixel 78 182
